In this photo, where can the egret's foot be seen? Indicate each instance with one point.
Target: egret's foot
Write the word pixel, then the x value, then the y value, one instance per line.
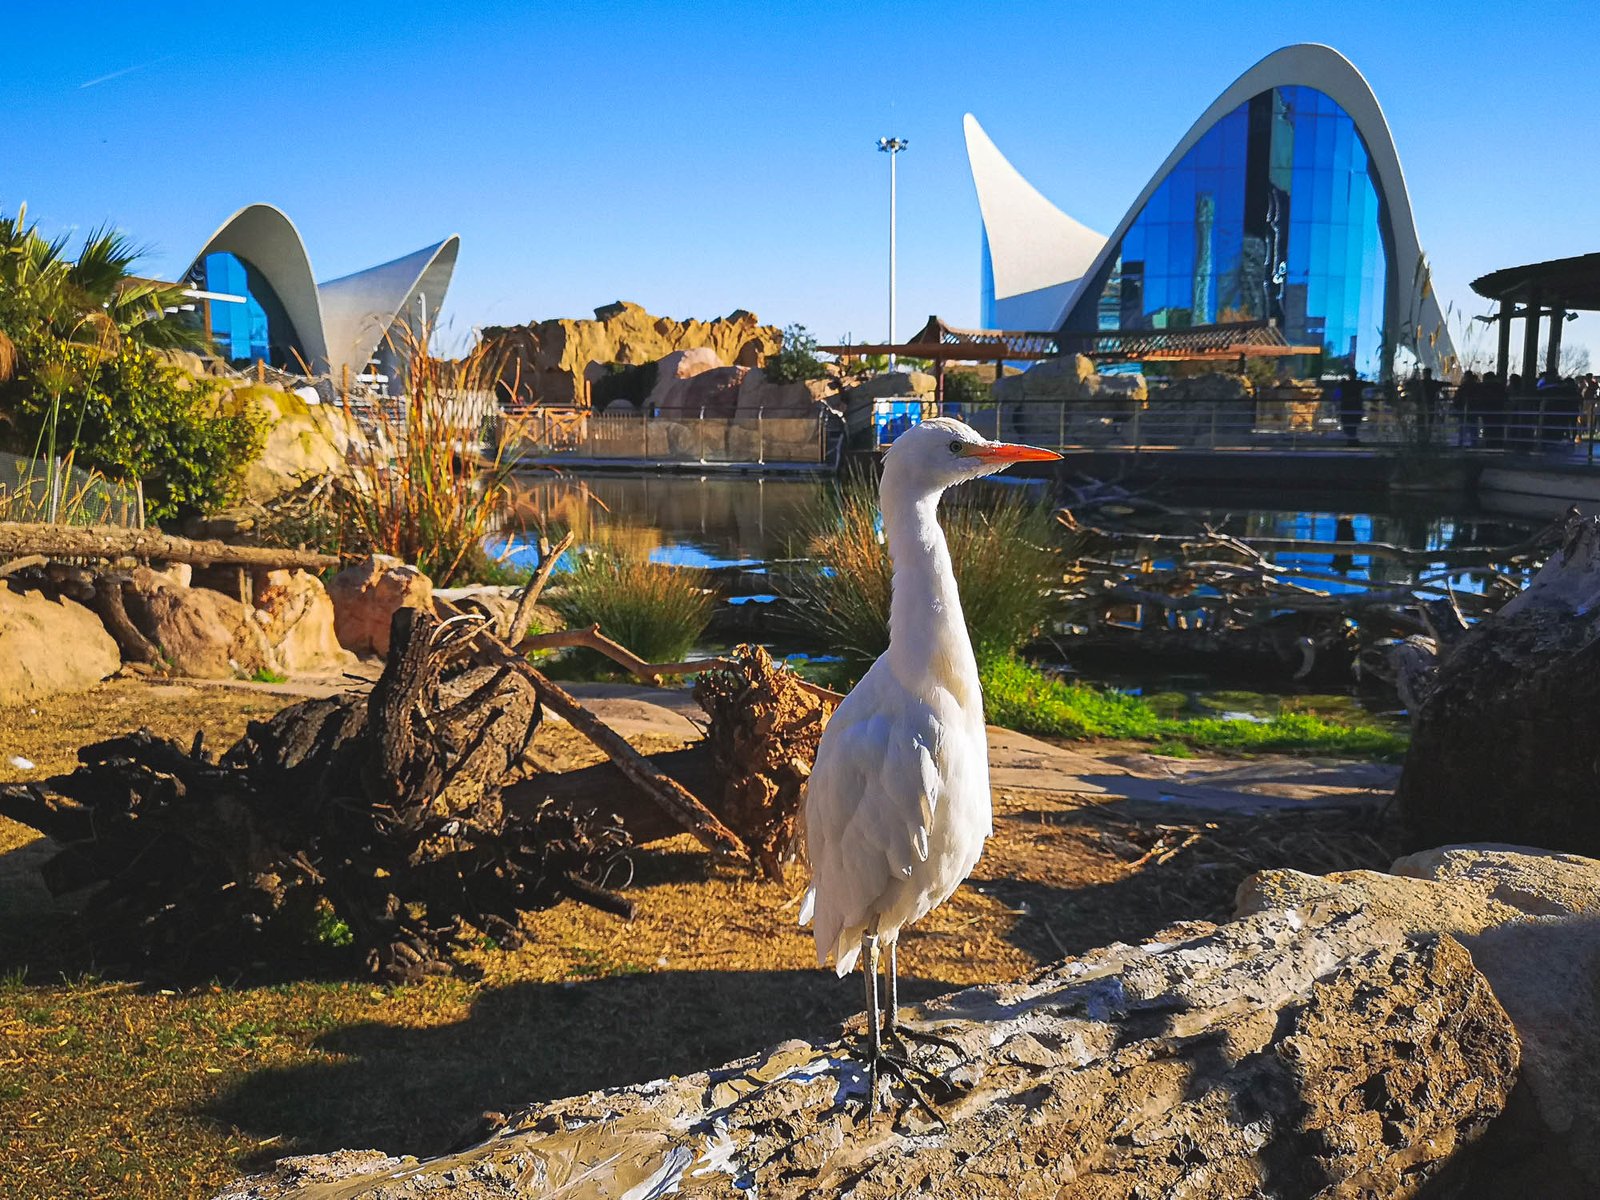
pixel 903 1068
pixel 910 1033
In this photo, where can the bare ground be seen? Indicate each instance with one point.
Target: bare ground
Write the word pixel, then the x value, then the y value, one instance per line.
pixel 113 1088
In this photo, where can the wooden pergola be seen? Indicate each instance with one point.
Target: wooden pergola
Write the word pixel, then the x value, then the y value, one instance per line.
pixel 942 343
pixel 1532 292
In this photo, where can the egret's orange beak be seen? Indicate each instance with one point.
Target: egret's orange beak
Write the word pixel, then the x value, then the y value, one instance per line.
pixel 1010 452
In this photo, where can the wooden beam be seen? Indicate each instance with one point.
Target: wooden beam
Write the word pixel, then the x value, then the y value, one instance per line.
pixel 18 538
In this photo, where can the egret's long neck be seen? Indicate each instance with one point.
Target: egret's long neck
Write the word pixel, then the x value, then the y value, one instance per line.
pixel 928 640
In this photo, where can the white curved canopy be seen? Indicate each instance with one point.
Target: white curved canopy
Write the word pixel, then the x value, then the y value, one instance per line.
pixel 1034 247
pixel 338 324
pixel 1413 310
pixel 264 236
pixel 358 309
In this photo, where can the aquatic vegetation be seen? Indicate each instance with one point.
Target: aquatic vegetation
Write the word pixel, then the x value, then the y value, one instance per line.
pixel 1000 546
pixel 1021 696
pixel 657 611
pixel 425 493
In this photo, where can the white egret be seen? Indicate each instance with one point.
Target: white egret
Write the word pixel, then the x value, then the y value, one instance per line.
pixel 897 807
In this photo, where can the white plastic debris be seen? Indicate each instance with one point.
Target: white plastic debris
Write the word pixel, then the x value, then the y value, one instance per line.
pixel 20 763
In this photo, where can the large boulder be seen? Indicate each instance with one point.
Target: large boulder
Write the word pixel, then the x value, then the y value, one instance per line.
pixel 713 393
pixel 759 396
pixel 547 362
pixel 49 646
pixel 676 367
pixel 297 616
pixel 1531 921
pixel 366 595
pixel 199 632
pixel 305 439
pixel 1432 1031
pixel 1293 1052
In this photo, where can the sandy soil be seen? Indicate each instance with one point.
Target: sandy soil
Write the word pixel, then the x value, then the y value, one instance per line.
pixel 131 1090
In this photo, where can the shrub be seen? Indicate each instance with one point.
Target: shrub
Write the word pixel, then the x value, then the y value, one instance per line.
pixel 133 415
pixel 657 611
pixel 968 389
pixel 797 360
pixel 1000 546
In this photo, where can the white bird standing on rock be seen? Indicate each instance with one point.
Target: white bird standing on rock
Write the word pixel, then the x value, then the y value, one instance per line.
pixel 897 806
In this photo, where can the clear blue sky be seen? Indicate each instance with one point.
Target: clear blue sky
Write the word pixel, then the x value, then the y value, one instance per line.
pixel 699 158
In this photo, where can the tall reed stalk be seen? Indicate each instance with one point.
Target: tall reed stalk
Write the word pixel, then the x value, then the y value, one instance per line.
pixel 427 493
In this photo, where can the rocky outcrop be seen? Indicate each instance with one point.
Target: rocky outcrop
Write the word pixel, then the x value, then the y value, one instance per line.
pixel 296 615
pixel 759 396
pixel 673 369
pixel 548 362
pixel 366 595
pixel 1531 921
pixel 1360 1034
pixel 198 632
pixel 1066 399
pixel 50 645
pixel 305 440
pixel 712 393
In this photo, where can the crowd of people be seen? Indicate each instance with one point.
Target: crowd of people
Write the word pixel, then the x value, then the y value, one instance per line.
pixel 1496 414
pixel 1484 410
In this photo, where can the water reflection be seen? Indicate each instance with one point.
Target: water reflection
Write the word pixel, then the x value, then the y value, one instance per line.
pixel 719 521
pixel 681 519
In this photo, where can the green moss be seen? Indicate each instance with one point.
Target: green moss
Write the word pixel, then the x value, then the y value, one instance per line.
pixel 1018 695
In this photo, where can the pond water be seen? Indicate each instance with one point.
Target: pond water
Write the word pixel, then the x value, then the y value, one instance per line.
pixel 749 522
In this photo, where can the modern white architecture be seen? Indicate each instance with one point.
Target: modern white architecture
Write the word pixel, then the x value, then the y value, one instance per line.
pixel 1284 202
pixel 261 301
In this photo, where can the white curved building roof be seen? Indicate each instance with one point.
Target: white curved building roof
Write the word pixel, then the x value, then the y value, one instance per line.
pixel 1414 314
pixel 339 324
pixel 1037 253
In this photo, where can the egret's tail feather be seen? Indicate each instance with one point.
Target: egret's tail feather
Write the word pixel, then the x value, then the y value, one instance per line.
pixel 808 906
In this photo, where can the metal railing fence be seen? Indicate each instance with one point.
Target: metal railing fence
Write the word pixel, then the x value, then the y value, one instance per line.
pixel 1533 427
pixel 541 432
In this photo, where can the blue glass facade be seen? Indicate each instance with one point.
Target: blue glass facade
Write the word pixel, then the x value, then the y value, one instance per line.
pixel 256 329
pixel 1273 214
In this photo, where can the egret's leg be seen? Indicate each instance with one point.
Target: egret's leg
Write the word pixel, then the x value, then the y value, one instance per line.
pixel 891 1020
pixel 869 969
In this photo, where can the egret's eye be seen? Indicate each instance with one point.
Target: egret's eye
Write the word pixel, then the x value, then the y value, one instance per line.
pixel 957 446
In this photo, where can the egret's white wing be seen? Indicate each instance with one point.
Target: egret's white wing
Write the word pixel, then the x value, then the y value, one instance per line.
pixel 870 804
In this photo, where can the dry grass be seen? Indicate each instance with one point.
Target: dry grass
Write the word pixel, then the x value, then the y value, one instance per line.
pixel 111 1089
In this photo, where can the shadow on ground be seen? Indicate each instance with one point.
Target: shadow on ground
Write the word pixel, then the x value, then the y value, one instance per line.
pixel 420 1091
pixel 1151 870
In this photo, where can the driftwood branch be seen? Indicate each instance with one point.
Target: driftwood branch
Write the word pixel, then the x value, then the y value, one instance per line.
pixel 111 541
pixel 590 638
pixel 518 628
pixel 676 800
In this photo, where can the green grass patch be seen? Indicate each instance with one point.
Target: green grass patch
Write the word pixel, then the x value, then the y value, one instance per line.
pixel 1020 696
pixel 268 675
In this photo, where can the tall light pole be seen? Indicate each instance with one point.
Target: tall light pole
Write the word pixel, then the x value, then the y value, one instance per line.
pixel 892 147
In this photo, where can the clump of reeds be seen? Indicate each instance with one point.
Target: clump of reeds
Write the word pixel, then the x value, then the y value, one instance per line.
pixel 428 492
pixel 655 610
pixel 1000 547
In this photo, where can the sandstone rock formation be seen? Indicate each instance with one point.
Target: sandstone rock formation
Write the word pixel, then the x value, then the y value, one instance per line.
pixel 711 393
pixel 297 616
pixel 1355 1035
pixel 759 396
pixel 50 645
pixel 548 362
pixel 676 367
pixel 1030 405
pixel 304 440
pixel 199 632
pixel 365 596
